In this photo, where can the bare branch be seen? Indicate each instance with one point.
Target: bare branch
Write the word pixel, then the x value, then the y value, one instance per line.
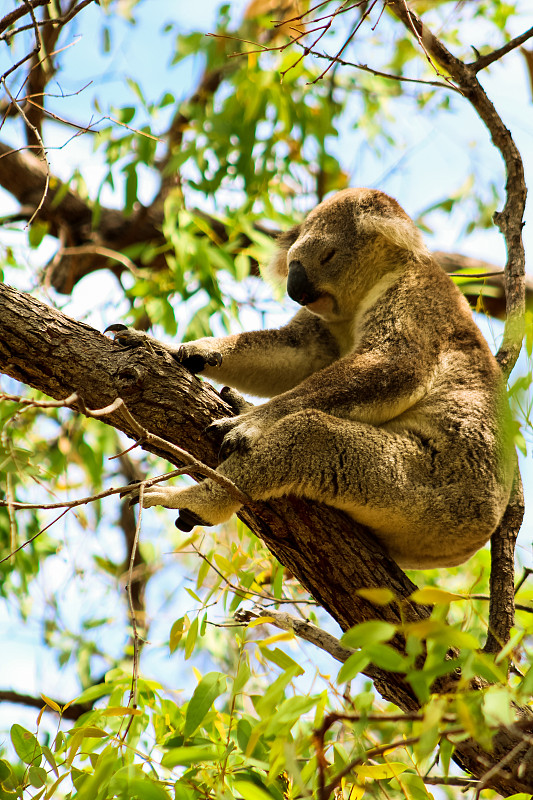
pixel 301 628
pixel 484 61
pixel 17 13
pixel 73 712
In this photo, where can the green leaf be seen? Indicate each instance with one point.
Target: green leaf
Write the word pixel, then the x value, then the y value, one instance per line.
pixel 497 706
pixel 413 787
pixel 380 772
pixel 5 770
pixel 251 791
pixel 379 597
pixel 210 687
pixel 526 687
pixel 281 659
pixel 290 710
pixel 37 776
pixel 177 756
pixel 368 633
pixel 353 666
pixel 147 789
pixel 176 632
pixel 386 657
pixel 192 636
pixel 26 745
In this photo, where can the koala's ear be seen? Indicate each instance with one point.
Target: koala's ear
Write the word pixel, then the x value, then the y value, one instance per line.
pixel 277 270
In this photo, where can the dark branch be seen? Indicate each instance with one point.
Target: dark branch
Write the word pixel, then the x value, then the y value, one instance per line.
pixel 73 712
pixel 490 58
pixel 13 16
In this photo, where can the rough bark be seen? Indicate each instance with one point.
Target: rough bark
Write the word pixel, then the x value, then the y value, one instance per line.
pixel 330 555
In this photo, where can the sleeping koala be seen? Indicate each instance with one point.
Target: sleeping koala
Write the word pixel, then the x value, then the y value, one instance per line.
pixel 386 400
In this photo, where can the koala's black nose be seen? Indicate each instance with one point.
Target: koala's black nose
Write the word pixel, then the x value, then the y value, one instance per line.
pixel 299 287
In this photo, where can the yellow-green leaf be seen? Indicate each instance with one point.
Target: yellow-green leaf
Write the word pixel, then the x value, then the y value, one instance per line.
pixel 121 711
pixel 379 597
pixel 51 703
pixel 432 595
pixel 381 771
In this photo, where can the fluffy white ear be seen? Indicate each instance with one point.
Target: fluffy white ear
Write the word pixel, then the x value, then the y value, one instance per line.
pixel 276 270
pixel 400 232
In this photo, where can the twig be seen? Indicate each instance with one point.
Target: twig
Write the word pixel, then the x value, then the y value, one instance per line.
pixel 330 787
pixel 132 700
pixel 13 16
pixel 29 541
pixel 301 628
pixel 497 768
pixel 484 61
pixel 40 144
pixel 238 590
pixel 377 72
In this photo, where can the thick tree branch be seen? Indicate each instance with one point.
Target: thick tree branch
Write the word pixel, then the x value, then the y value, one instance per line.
pixel 330 555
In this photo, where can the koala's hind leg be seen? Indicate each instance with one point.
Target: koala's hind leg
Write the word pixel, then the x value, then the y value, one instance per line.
pixel 426 508
pixel 422 511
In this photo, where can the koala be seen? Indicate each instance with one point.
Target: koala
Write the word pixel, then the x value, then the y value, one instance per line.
pixel 386 401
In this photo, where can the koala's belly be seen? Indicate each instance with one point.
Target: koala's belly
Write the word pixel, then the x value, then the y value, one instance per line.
pixel 415 540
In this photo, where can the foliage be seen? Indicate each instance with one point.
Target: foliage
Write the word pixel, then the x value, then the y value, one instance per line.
pixel 237 709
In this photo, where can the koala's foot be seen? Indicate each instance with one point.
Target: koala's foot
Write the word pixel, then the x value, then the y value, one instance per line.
pixel 206 503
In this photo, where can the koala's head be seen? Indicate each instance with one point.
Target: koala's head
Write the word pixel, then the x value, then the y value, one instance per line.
pixel 342 248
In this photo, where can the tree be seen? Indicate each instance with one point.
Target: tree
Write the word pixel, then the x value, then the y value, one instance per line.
pixel 239 159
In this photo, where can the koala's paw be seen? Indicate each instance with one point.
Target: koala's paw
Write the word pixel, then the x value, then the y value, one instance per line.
pixel 235 400
pixel 128 337
pixel 204 504
pixel 187 520
pixel 241 438
pixel 218 429
pixel 196 357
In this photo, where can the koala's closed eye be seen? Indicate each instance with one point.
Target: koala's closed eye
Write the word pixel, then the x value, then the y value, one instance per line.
pixel 329 255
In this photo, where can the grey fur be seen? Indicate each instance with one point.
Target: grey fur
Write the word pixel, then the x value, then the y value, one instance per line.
pixel 386 401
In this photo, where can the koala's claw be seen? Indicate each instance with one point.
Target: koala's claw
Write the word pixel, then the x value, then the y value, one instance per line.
pixel 218 429
pixel 187 520
pixel 129 338
pixel 134 498
pixel 233 442
pixel 235 400
pixel 195 361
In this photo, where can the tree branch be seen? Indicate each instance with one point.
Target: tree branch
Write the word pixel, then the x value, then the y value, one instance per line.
pixel 301 628
pixel 325 550
pixel 73 712
pixel 484 61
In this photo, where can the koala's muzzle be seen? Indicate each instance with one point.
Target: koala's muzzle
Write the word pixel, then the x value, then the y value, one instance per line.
pixel 299 287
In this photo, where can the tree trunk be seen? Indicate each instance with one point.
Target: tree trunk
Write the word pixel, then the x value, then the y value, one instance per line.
pixel 323 548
